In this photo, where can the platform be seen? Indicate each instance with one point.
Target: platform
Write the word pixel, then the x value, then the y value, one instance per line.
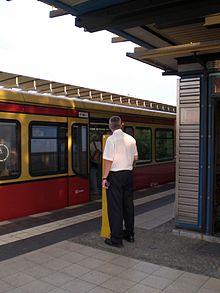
pixel 62 252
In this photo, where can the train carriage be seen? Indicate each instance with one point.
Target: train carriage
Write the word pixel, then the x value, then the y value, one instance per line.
pixel 44 149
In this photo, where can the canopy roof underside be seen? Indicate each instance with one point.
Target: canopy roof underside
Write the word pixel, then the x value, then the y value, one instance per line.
pixel 168 32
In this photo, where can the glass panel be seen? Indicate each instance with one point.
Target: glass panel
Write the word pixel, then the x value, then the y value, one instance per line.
pixel 143 138
pixel 80 149
pixel 129 130
pixel 9 150
pixel 63 154
pixel 216 85
pixel 164 144
pixel 43 145
pixel 84 139
pixel 44 131
pixel 48 154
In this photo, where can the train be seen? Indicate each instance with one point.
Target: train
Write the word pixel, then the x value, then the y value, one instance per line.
pixel 44 148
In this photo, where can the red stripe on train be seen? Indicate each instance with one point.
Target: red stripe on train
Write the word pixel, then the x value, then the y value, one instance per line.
pixel 41 110
pixel 153 175
pixel 148 119
pixel 26 198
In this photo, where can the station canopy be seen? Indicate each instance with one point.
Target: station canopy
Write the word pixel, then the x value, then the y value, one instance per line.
pixel 48 87
pixel 167 32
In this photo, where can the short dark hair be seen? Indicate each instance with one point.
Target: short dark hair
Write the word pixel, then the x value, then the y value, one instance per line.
pixel 115 122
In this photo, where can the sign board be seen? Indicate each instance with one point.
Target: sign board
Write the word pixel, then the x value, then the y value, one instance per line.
pixel 83 115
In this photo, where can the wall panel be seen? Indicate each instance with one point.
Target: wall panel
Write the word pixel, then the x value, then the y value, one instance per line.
pixel 187 151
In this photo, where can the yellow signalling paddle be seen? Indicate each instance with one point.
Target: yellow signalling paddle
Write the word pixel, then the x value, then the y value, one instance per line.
pixel 105 229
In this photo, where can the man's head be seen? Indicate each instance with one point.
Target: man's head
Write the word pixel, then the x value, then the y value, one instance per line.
pixel 115 123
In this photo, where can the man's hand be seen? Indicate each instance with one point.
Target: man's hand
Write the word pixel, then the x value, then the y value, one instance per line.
pixel 105 183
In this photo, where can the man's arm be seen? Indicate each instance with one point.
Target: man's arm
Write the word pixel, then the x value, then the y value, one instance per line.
pixel 135 152
pixel 107 168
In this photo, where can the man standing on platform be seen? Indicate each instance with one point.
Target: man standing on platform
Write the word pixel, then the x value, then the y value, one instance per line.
pixel 119 155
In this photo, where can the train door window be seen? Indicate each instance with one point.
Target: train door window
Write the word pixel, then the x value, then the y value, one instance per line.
pixel 216 179
pixel 9 149
pixel 80 149
pixel 164 144
pixel 144 144
pixel 48 148
pixel 129 130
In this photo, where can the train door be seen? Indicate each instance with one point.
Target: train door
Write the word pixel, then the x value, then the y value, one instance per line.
pixel 216 199
pixel 96 132
pixel 78 182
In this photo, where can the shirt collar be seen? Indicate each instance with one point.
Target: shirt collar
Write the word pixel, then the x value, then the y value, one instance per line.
pixel 117 131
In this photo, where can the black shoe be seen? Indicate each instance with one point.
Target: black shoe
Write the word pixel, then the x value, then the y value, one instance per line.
pixel 129 238
pixel 111 243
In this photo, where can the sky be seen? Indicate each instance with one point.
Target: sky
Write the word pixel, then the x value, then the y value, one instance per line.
pixel 35 45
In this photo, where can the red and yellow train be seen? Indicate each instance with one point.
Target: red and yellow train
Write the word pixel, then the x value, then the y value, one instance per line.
pixel 44 149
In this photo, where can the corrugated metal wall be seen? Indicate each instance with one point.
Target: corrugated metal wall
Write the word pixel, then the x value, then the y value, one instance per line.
pixel 187 151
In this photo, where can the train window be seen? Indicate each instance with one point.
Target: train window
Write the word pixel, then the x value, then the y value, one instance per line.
pixel 9 149
pixel 48 148
pixel 164 144
pixel 144 142
pixel 129 130
pixel 80 149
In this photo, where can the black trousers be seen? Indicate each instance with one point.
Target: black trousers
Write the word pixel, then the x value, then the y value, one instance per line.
pixel 120 204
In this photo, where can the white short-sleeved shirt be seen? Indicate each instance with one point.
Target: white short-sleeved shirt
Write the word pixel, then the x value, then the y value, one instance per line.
pixel 120 148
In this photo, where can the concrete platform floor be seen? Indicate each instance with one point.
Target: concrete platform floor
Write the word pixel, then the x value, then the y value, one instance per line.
pixel 67 254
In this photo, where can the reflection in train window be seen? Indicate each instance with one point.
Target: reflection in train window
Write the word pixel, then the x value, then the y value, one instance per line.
pixel 164 144
pixel 9 149
pixel 216 85
pixel 48 149
pixel 144 141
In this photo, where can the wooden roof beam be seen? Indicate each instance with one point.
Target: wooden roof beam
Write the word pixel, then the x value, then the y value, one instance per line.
pixel 118 40
pixel 57 12
pixel 212 21
pixel 178 50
